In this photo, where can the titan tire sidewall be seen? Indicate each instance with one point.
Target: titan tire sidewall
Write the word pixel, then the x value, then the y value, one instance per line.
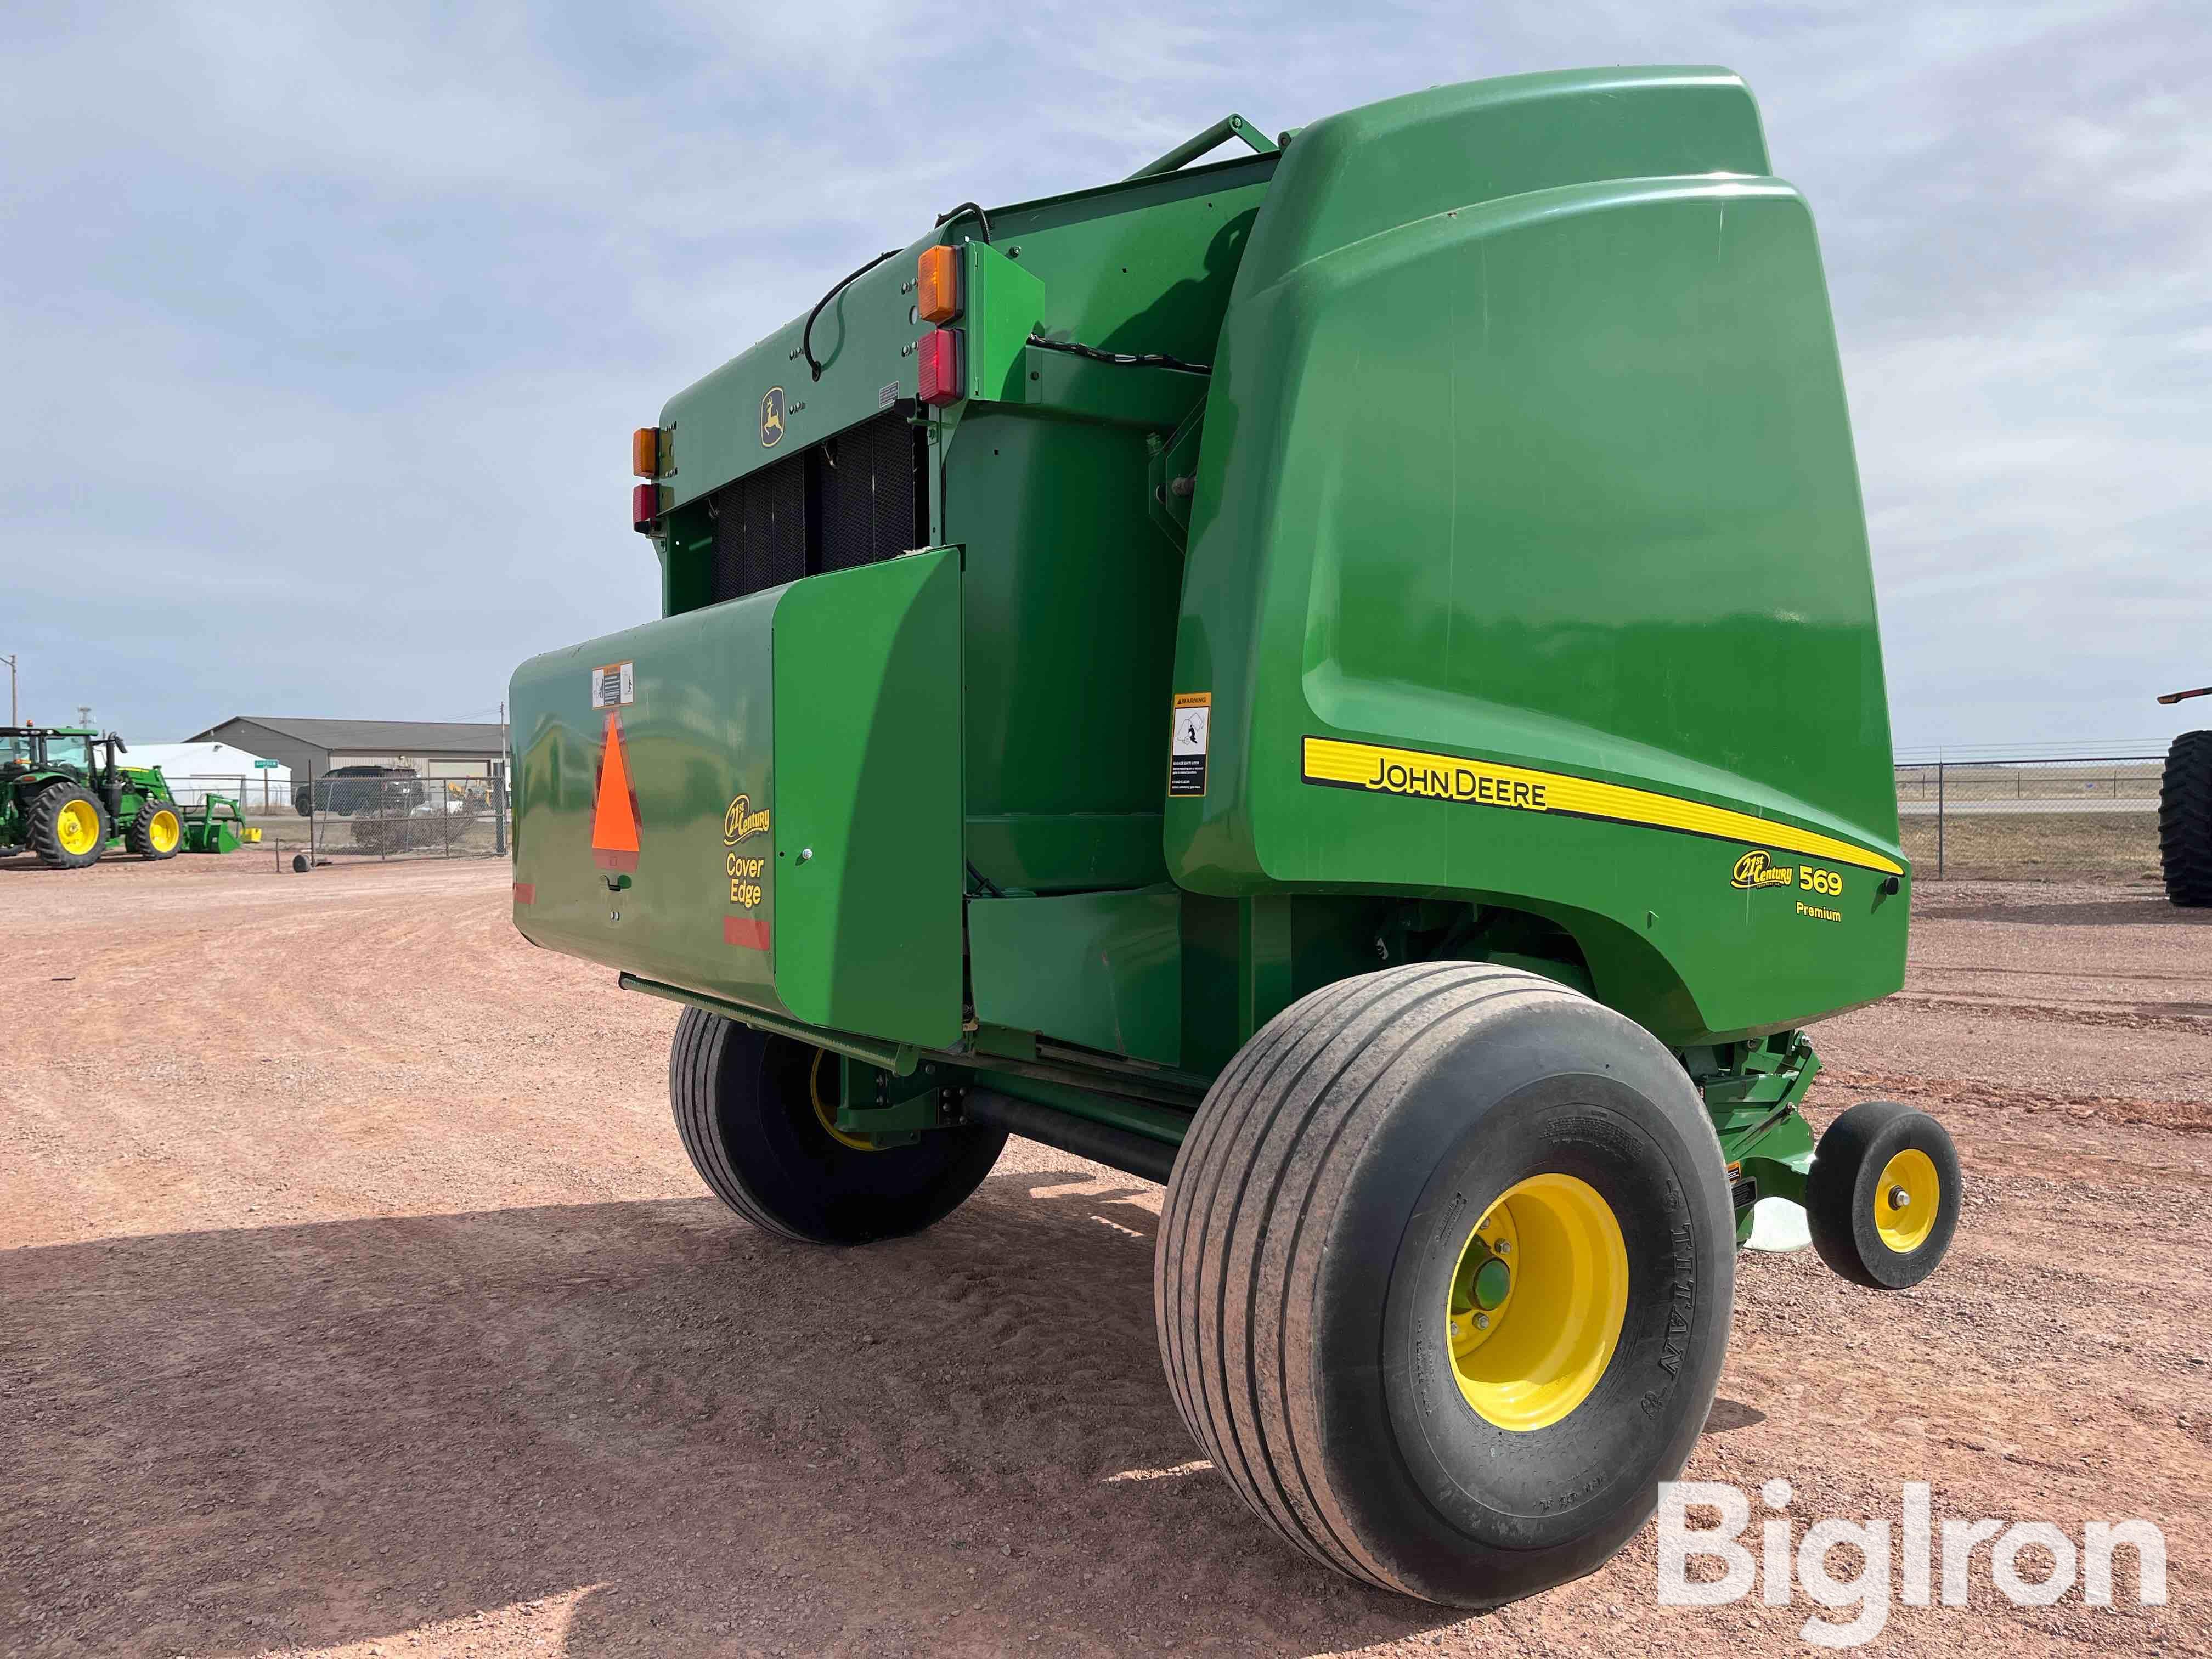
pixel 1591 1095
pixel 1916 1131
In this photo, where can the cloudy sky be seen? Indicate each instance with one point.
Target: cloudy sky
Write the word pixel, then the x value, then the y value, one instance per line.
pixel 326 327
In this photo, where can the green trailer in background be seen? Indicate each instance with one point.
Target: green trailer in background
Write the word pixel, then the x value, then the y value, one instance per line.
pixel 65 796
pixel 1343 680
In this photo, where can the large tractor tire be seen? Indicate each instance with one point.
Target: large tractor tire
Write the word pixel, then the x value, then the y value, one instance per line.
pixel 2184 820
pixel 1445 1278
pixel 67 826
pixel 1882 1197
pixel 755 1111
pixel 158 831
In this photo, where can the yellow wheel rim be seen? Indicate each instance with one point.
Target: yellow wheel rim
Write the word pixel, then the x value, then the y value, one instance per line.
pixel 163 834
pixel 1905 1200
pixel 1536 1302
pixel 826 1115
pixel 76 826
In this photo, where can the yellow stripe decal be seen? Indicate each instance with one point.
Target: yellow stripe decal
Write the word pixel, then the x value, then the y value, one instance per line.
pixel 1517 788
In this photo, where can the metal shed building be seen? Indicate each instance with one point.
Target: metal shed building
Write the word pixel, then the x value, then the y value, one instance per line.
pixel 310 748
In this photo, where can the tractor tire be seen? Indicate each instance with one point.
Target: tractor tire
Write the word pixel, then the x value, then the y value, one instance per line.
pixel 1882 1197
pixel 2184 820
pixel 746 1107
pixel 67 827
pixel 158 831
pixel 1444 1276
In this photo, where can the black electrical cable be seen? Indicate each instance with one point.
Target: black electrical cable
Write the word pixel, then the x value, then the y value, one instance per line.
pixel 1127 359
pixel 806 335
pixel 981 217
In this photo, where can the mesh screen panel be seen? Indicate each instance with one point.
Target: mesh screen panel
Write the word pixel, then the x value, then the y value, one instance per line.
pixel 760 530
pixel 849 501
pixel 868 493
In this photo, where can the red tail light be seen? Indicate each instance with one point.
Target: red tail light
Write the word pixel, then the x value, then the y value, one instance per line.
pixel 938 368
pixel 644 508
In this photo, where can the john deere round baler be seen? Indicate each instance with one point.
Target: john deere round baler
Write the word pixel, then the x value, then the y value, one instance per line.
pixel 1344 680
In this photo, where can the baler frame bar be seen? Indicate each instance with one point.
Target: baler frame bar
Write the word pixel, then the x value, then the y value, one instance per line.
pixel 1229 126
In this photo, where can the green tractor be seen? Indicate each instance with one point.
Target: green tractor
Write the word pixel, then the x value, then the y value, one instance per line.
pixel 1344 680
pixel 65 796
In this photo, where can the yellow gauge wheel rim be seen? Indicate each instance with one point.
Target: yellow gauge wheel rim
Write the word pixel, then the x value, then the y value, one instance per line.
pixel 1905 1200
pixel 76 826
pixel 1537 1302
pixel 826 1115
pixel 163 834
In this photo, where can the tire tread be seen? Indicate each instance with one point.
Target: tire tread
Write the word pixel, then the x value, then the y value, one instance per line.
pixel 1248 1209
pixel 2184 820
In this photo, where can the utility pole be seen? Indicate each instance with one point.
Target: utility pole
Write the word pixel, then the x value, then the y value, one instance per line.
pixel 11 661
pixel 84 713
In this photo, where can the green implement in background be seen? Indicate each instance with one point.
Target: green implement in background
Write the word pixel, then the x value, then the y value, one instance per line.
pixel 65 797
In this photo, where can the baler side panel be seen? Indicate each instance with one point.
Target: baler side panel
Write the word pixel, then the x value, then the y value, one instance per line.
pixel 695 738
pixel 794 764
pixel 1070 591
pixel 1561 482
pixel 867 827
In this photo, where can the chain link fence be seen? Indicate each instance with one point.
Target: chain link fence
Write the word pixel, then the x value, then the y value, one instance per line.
pixel 2082 819
pixel 354 818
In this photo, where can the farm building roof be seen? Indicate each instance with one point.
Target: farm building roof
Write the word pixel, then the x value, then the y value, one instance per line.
pixel 371 737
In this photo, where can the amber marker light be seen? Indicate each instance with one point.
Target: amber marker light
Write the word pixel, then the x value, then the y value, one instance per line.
pixel 937 285
pixel 647 452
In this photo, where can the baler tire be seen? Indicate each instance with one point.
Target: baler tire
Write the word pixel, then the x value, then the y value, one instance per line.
pixel 743 1106
pixel 1857 1232
pixel 2184 820
pixel 49 834
pixel 146 836
pixel 1320 1225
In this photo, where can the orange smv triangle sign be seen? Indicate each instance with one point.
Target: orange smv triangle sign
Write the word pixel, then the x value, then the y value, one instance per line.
pixel 614 820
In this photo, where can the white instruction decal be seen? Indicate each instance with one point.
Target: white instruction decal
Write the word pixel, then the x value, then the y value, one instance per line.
pixel 613 685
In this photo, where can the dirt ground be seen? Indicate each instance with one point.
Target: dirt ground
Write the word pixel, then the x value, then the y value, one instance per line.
pixel 355 1297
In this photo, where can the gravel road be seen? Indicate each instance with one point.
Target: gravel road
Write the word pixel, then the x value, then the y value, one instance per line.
pixel 355 1297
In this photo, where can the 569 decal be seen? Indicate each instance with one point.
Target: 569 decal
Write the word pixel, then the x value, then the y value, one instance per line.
pixel 1757 869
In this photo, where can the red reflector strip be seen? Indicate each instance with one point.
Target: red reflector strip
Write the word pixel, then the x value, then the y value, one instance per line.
pixel 751 932
pixel 525 893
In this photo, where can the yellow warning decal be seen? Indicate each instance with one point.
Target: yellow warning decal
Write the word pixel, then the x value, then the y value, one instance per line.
pixel 1517 788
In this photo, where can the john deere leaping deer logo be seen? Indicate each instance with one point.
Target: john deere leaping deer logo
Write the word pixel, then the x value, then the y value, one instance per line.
pixel 772 418
pixel 1759 870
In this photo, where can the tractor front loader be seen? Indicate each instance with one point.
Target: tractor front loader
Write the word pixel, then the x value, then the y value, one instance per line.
pixel 66 797
pixel 1345 680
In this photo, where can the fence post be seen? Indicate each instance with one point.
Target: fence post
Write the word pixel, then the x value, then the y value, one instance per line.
pixel 1939 820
